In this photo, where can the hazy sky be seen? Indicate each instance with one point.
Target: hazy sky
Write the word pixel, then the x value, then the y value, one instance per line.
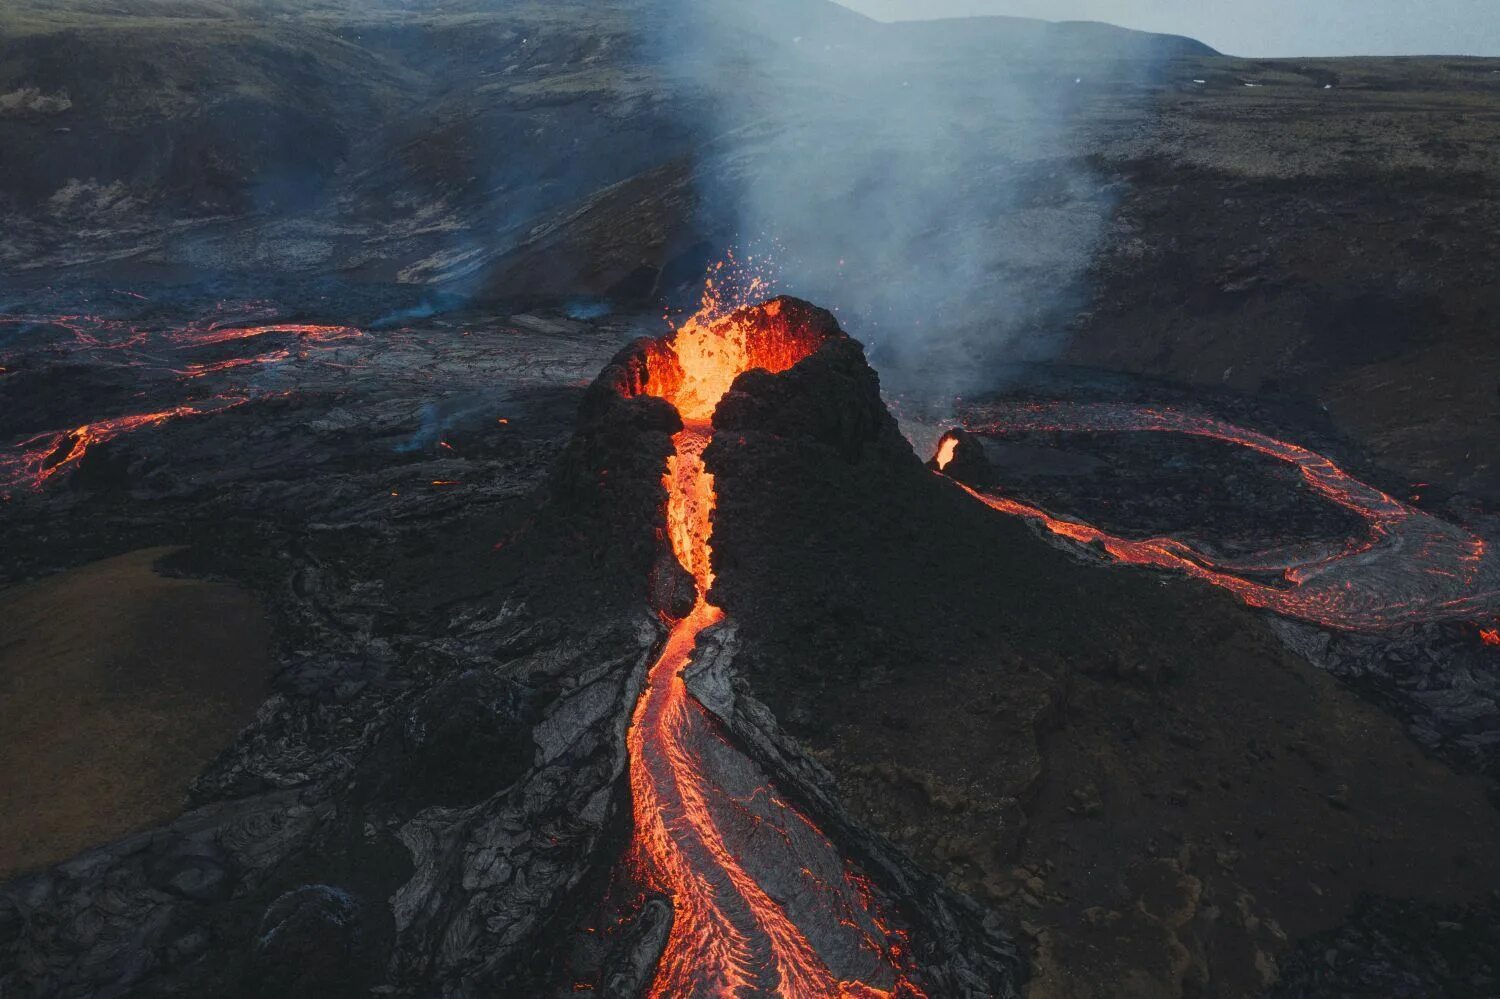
pixel 1258 27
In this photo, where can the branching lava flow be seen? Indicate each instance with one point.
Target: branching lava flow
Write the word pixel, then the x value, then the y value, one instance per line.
pixel 1410 567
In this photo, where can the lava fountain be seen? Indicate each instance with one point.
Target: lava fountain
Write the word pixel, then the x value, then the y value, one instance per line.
pixel 1410 566
pixel 763 903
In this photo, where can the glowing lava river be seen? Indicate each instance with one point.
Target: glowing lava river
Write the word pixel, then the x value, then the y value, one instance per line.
pixel 1410 567
pixel 763 902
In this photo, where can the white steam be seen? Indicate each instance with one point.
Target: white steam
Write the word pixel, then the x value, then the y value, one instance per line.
pixel 927 182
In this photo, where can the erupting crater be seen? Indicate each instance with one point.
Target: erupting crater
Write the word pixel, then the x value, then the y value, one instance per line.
pixel 763 902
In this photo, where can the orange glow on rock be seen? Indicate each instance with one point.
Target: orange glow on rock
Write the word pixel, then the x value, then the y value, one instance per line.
pixel 1490 636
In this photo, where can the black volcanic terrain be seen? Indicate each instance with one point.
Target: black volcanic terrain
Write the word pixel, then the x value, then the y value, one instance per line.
pixel 395 603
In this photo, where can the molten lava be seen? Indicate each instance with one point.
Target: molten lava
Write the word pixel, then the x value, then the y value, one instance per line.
pixel 214 334
pixel 1490 636
pixel 45 455
pixel 694 794
pixel 96 332
pixel 36 460
pixel 945 450
pixel 1411 566
pixel 199 370
pixel 711 351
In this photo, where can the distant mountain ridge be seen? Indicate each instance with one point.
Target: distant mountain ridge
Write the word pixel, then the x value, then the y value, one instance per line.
pixel 438 133
pixel 1076 37
pixel 819 20
pixel 825 21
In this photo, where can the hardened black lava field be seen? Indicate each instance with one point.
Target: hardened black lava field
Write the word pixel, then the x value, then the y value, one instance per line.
pixel 672 499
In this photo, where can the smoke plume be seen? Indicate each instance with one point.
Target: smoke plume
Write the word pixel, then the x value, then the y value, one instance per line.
pixel 927 182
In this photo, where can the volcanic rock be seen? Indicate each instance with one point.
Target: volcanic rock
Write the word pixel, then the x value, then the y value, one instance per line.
pixel 825 519
pixel 306 944
pixel 445 741
pixel 465 738
pixel 598 520
pixel 968 463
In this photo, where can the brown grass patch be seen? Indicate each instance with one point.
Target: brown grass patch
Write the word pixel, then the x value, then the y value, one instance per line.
pixel 117 686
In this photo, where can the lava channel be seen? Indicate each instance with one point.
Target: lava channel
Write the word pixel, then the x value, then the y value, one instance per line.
pixel 1409 568
pixel 763 902
pixel 139 346
pixel 195 336
pixel 37 459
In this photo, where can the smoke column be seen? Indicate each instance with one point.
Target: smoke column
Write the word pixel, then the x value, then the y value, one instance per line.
pixel 925 181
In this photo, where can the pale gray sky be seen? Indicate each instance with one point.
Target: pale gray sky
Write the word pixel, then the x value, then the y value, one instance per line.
pixel 1257 27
